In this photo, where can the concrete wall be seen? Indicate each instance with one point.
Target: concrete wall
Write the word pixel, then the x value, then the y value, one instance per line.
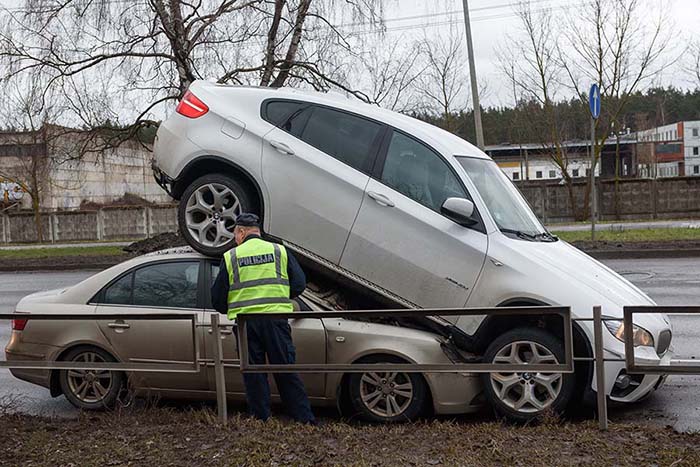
pixel 663 198
pixel 114 223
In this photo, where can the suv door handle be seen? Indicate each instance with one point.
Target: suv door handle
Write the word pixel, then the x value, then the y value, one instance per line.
pixel 222 331
pixel 119 324
pixel 381 199
pixel 281 147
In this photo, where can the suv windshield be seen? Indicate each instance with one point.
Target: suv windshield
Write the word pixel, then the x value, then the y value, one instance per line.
pixel 503 200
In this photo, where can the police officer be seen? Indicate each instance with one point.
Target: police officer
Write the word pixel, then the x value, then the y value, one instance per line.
pixel 259 276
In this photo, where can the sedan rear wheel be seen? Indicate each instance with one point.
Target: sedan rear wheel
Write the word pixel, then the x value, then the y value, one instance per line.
pixel 91 389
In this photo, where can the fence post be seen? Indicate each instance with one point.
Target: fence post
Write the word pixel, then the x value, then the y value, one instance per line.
pixel 149 222
pixel 100 224
pixel 600 367
pixel 222 409
pixel 5 226
pixel 54 227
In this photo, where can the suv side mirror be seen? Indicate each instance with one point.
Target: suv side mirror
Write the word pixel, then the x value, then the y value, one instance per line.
pixel 459 210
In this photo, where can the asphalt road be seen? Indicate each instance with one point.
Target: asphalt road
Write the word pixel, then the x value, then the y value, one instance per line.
pixel 672 281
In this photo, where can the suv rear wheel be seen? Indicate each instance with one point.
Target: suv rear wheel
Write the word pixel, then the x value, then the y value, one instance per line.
pixel 208 210
pixel 525 396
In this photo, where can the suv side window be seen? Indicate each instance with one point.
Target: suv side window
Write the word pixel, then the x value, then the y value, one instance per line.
pixel 350 139
pixel 413 169
pixel 287 115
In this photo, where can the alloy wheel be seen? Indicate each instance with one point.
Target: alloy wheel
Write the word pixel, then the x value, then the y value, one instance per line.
pixel 211 213
pixel 90 386
pixel 526 392
pixel 386 394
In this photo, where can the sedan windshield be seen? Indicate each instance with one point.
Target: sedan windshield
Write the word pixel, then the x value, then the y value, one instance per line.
pixel 503 200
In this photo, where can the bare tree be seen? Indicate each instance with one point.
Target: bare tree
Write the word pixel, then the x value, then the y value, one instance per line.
pixel 147 52
pixel 390 72
pixel 530 61
pixel 442 84
pixel 620 45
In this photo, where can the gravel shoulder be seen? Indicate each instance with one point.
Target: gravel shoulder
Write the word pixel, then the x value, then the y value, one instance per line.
pixel 166 436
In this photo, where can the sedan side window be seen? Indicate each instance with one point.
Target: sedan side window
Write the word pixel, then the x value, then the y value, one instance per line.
pixel 414 170
pixel 345 137
pixel 171 285
pixel 119 293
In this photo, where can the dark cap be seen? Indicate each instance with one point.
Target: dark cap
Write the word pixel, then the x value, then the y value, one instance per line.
pixel 247 219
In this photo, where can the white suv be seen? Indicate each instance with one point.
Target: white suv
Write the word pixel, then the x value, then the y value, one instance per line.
pixel 405 209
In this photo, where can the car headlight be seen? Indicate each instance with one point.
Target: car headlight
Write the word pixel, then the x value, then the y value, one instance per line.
pixel 640 336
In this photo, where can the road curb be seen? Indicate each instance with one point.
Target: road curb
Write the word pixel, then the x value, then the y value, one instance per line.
pixel 644 254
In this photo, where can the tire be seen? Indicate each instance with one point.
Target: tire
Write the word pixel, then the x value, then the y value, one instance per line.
pixel 524 397
pixel 365 389
pixel 101 388
pixel 207 212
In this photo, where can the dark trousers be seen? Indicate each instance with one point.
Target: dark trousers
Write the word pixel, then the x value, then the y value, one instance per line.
pixel 273 338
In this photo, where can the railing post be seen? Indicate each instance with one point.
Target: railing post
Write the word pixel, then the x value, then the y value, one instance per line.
pixel 600 367
pixel 219 369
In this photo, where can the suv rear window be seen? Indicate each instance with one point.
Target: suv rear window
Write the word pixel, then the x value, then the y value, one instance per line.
pixel 345 137
pixel 279 113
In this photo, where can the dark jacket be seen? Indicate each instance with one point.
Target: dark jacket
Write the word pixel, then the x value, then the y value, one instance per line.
pixel 219 291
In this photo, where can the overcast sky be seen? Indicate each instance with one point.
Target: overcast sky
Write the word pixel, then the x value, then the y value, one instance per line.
pixel 492 20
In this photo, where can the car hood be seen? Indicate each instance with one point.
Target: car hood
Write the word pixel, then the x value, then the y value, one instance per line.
pixel 556 273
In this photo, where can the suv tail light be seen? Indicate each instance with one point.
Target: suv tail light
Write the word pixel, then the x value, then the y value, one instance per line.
pixel 191 107
pixel 19 324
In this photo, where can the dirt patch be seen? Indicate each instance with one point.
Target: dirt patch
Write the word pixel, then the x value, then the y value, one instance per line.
pixel 156 243
pixel 167 436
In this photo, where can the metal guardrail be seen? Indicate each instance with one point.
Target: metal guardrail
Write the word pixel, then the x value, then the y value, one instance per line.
pixel 564 312
pixel 150 365
pixel 676 366
pixel 219 363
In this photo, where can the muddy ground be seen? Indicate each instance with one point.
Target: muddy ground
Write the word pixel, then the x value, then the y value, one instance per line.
pixel 181 437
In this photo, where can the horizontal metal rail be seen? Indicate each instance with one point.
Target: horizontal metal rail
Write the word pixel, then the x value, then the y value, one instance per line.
pixel 564 312
pixel 675 366
pixel 143 365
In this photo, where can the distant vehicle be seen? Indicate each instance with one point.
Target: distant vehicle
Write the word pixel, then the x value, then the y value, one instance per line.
pixel 179 281
pixel 403 209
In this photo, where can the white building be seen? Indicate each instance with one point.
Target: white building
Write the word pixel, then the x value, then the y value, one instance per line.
pixel 71 169
pixel 676 148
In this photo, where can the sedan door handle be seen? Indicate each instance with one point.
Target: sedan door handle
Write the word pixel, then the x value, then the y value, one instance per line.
pixel 281 147
pixel 381 199
pixel 222 331
pixel 118 325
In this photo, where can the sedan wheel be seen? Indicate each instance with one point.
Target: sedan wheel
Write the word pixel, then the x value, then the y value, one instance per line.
pixel 387 397
pixel 90 389
pixel 386 394
pixel 525 396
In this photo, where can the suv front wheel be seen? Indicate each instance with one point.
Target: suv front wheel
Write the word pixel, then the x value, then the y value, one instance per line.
pixel 525 396
pixel 207 212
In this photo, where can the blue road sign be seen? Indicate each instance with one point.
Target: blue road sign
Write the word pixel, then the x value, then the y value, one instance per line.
pixel 594 101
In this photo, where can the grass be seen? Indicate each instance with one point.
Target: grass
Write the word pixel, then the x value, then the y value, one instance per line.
pixel 633 235
pixel 166 436
pixel 62 252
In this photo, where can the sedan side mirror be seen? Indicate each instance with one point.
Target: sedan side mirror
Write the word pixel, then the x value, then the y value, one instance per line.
pixel 459 210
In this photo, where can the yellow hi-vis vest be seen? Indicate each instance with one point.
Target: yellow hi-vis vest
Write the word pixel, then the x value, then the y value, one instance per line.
pixel 257 277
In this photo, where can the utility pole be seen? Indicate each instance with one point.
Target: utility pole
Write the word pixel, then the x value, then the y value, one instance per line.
pixel 472 75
